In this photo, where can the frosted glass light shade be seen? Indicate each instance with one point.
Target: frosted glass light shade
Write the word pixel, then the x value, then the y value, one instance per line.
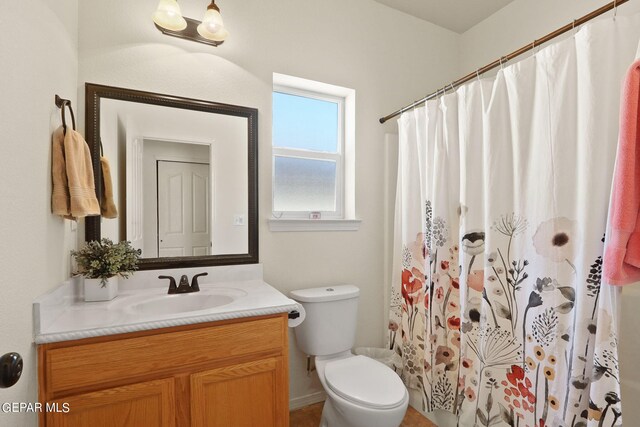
pixel 169 16
pixel 212 27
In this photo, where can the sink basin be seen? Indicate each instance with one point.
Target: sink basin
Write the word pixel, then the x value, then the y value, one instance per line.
pixel 184 303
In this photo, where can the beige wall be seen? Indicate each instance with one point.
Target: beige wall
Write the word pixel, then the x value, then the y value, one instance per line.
pixel 386 56
pixel 38 53
pixel 520 23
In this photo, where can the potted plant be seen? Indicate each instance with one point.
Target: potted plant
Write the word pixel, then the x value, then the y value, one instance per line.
pixel 101 263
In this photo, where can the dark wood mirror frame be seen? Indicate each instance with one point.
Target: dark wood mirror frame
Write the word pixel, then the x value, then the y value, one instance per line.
pixel 94 93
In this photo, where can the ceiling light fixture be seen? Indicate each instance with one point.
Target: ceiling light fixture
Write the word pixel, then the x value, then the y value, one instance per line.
pixel 211 30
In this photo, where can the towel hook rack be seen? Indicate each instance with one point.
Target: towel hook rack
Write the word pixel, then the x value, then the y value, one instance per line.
pixel 62 104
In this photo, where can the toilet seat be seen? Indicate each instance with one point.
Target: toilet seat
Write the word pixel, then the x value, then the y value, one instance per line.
pixel 366 382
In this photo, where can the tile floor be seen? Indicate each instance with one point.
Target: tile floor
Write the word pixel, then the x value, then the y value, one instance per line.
pixel 310 417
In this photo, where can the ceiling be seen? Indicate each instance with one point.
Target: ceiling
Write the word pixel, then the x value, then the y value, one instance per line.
pixel 456 15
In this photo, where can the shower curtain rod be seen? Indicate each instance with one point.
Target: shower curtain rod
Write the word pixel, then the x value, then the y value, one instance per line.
pixel 499 62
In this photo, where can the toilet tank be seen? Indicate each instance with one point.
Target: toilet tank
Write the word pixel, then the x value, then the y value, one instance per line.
pixel 330 323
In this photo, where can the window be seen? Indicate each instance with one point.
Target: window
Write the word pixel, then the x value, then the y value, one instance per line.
pixel 312 150
pixel 307 154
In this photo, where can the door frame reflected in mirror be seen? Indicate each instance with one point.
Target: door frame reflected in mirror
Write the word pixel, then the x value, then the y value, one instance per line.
pixel 94 93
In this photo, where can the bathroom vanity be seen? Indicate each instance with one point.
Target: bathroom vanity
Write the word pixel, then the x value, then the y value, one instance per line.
pixel 196 375
pixel 122 363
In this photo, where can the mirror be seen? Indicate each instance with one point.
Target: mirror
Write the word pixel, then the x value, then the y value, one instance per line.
pixel 183 174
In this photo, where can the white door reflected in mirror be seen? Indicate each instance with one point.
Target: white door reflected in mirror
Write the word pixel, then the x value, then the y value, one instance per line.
pixel 183 209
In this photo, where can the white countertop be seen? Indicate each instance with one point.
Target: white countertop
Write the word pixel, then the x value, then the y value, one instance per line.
pixel 60 316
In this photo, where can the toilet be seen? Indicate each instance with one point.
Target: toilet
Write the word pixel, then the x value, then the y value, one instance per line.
pixel 361 392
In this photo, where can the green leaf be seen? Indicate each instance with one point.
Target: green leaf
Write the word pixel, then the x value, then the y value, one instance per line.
pixel 104 259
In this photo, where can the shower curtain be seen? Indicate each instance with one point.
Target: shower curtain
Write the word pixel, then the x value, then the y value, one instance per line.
pixel 497 307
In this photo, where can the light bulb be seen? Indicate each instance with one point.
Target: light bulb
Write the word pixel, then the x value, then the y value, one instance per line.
pixel 220 36
pixel 212 27
pixel 212 21
pixel 169 16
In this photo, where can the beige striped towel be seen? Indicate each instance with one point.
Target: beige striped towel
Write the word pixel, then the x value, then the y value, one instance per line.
pixel 73 193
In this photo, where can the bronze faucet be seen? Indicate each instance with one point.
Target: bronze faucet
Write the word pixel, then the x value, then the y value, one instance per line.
pixel 183 287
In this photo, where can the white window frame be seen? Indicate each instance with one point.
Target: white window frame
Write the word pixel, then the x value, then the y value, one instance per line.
pixel 297 153
pixel 343 219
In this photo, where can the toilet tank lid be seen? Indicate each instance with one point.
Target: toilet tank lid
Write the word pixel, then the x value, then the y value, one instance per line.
pixel 326 293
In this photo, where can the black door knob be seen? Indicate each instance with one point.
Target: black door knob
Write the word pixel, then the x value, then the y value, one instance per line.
pixel 10 369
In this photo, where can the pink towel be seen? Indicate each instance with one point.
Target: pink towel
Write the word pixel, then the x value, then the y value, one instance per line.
pixel 622 254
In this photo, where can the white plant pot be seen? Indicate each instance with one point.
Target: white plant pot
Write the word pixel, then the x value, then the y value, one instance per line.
pixel 94 291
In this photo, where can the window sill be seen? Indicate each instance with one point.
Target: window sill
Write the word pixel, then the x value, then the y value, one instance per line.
pixel 314 224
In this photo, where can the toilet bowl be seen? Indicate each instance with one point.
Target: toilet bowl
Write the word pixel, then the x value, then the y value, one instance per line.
pixel 361 392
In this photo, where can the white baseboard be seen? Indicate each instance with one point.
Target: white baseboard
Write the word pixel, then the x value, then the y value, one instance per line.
pixel 309 399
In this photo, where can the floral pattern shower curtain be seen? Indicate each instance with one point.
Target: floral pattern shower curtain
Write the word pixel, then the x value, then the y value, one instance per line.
pixel 498 311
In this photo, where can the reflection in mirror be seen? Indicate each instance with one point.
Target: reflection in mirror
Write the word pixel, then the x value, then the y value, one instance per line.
pixel 180 179
pixel 184 177
pixel 176 184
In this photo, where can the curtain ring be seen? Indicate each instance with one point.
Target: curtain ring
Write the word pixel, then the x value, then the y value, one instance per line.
pixel 453 89
pixel 478 74
pixel 501 63
pixel 615 9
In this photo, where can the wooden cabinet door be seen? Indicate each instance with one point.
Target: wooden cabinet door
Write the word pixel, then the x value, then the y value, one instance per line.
pixel 144 404
pixel 245 395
